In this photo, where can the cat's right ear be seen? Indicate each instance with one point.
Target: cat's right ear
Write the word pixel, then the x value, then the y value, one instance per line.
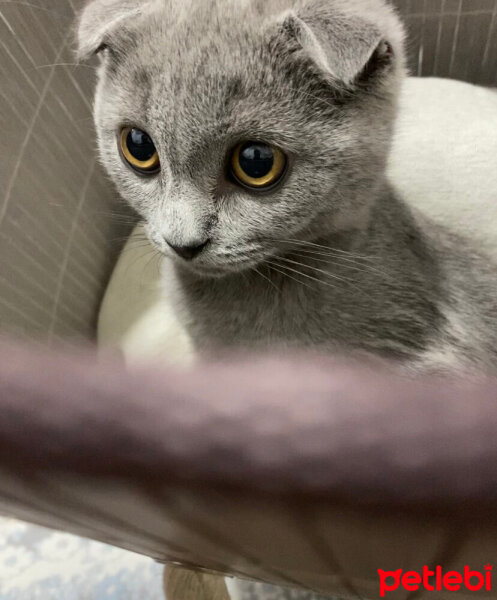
pixel 343 41
pixel 101 20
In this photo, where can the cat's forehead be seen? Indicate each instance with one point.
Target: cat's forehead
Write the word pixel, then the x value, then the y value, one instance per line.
pixel 200 42
pixel 208 12
pixel 195 72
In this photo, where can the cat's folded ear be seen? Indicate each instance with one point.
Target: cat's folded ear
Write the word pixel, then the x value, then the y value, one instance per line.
pixel 346 40
pixel 100 20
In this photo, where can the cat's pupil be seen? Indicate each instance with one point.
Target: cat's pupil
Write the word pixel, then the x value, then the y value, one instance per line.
pixel 256 160
pixel 140 145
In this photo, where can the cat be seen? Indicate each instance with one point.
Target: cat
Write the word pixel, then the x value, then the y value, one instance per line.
pixel 252 139
pixel 326 256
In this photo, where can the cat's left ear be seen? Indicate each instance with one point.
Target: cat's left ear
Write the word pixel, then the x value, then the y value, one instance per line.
pixel 101 20
pixel 343 43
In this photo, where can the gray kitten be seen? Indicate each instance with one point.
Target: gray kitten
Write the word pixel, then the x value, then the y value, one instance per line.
pixel 252 138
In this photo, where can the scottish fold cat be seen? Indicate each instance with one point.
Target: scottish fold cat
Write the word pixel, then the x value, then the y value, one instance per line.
pixel 252 138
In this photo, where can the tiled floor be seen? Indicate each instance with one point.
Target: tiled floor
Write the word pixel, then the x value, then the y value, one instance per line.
pixel 37 563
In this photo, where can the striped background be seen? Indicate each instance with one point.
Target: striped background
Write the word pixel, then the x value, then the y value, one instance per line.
pixel 59 233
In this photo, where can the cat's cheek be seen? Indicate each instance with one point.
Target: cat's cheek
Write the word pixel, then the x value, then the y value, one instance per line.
pixel 140 193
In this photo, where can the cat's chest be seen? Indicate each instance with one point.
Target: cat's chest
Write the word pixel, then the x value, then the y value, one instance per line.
pixel 251 313
pixel 248 312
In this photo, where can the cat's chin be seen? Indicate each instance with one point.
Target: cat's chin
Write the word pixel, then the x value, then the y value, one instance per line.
pixel 208 271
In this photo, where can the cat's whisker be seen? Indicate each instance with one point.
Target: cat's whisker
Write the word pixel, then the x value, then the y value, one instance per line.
pixel 351 267
pixel 266 278
pixel 129 233
pixel 322 271
pixel 130 239
pixel 345 262
pixel 37 7
pixel 134 235
pixel 138 235
pixel 133 238
pixel 275 267
pixel 150 266
pixel 128 215
pixel 160 256
pixel 331 254
pixel 141 257
pixel 122 221
pixel 129 252
pixel 315 279
pixel 328 248
pixel 155 256
pixel 246 253
pixel 124 239
pixel 49 66
pixel 139 239
pixel 133 247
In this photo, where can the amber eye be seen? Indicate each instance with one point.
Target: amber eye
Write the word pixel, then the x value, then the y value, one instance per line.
pixel 138 150
pixel 257 165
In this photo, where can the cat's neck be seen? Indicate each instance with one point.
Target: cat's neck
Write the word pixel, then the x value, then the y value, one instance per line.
pixel 377 284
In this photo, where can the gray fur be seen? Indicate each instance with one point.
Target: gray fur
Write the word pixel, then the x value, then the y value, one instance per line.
pixel 330 259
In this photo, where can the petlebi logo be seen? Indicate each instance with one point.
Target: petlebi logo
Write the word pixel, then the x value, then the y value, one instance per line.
pixel 435 580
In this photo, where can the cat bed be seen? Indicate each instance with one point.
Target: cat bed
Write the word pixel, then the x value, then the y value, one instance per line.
pixel 443 163
pixel 310 473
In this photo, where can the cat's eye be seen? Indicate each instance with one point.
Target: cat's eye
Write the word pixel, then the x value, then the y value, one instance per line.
pixel 257 165
pixel 138 150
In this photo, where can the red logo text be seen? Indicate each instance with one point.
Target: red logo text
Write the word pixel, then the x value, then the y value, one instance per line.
pixel 436 579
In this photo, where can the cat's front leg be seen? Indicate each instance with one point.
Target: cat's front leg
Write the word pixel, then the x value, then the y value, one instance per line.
pixel 251 590
pixel 184 584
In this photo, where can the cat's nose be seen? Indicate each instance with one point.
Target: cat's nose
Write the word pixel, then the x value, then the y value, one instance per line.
pixel 190 251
